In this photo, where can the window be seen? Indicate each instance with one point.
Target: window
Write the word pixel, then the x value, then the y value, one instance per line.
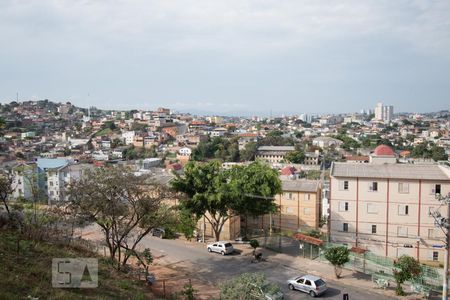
pixel 436 189
pixel 289 210
pixel 403 210
pixel 435 255
pixel 343 206
pixel 307 211
pixel 307 197
pixel 345 227
pixel 402 231
pixel 307 282
pixel 51 183
pixel 372 208
pixel 403 188
pixel 373 186
pixel 431 234
pixel 343 185
pixel 374 228
pixel 288 196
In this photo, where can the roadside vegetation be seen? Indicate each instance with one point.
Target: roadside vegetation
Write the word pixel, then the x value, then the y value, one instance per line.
pixel 25 271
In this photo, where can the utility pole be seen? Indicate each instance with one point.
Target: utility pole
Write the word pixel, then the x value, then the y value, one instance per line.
pixel 444 224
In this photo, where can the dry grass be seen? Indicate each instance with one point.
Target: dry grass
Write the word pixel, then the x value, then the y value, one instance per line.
pixel 27 272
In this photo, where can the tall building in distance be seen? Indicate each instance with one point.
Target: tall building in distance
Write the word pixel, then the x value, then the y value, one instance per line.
pixel 384 113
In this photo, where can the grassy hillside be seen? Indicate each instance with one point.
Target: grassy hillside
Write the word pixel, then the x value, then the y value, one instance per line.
pixel 28 273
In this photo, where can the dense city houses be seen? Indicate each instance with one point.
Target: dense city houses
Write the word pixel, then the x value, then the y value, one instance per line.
pixel 367 180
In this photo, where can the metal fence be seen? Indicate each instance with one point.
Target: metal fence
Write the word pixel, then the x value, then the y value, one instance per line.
pixel 371 264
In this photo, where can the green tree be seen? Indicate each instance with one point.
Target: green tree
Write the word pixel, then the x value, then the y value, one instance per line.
pixel 220 194
pixel 254 244
pixel 337 256
pixel 187 222
pixel 218 147
pixel 295 157
pixel 406 268
pixel 206 186
pixel 249 152
pixel 349 143
pixel 6 190
pixel 125 206
pixel 248 286
pixel 274 133
pixel 438 153
pixel 256 184
pixel 2 123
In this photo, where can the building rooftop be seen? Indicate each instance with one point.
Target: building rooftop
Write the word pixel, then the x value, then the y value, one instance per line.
pixel 300 185
pixel 276 148
pixel 383 150
pixel 394 171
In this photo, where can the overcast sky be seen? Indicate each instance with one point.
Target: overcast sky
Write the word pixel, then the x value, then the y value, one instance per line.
pixel 230 56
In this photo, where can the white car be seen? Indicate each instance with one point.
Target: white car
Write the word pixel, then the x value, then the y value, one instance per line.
pixel 221 247
pixel 310 284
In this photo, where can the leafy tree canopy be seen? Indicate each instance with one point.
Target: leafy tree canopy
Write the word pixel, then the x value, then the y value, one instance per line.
pixel 220 194
pixel 247 286
pixel 295 157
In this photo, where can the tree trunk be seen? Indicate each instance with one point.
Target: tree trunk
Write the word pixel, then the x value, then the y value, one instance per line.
pixel 338 271
pixel 216 233
pixel 6 206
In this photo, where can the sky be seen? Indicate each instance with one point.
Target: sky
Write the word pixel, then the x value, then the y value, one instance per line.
pixel 230 57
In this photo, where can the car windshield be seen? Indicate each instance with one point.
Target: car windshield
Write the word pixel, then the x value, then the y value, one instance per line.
pixel 228 245
pixel 319 282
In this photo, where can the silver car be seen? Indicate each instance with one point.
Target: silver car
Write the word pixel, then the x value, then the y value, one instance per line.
pixel 221 247
pixel 310 284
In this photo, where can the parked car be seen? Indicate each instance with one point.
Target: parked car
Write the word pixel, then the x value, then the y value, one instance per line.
pixel 264 292
pixel 159 232
pixel 310 284
pixel 221 247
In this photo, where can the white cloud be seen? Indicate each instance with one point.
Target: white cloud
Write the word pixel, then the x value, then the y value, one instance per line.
pixel 233 26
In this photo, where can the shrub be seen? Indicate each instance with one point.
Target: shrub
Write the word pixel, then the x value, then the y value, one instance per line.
pixel 337 256
pixel 406 268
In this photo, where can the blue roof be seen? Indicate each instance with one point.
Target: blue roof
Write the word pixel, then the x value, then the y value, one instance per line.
pixel 49 163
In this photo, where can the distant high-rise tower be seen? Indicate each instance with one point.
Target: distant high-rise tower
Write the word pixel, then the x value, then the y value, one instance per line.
pixel 384 113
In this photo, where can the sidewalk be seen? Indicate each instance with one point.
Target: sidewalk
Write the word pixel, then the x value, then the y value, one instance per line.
pixel 326 271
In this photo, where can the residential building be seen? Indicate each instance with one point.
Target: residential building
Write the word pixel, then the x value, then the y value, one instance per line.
pixel 184 154
pixel 312 158
pixel 245 138
pixel 59 180
pixel 384 113
pixel 325 142
pixel 25 179
pixel 385 206
pixel 128 136
pixel 299 208
pixel 273 154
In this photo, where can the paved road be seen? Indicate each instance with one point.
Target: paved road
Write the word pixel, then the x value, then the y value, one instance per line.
pixel 214 268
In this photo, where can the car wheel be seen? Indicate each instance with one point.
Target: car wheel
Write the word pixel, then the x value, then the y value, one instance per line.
pixel 291 287
pixel 223 253
pixel 209 250
pixel 312 294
